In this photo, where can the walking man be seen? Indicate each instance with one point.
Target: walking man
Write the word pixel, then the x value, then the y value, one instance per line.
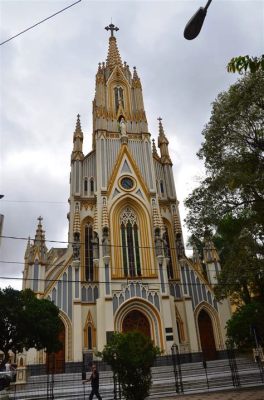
pixel 94 379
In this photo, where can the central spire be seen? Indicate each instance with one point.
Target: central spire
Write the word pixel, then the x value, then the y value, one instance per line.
pixel 113 57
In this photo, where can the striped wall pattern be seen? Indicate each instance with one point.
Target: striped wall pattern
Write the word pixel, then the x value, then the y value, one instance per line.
pixel 193 286
pixel 62 293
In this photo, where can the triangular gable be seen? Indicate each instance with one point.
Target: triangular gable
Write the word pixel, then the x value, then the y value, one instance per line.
pixel 125 156
pixel 117 74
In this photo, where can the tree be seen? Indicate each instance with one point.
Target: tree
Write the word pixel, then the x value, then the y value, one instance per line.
pixel 242 275
pixel 131 356
pixel 246 327
pixel 26 322
pixel 230 199
pixel 245 63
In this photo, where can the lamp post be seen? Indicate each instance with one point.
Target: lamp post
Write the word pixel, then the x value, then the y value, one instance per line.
pixel 194 25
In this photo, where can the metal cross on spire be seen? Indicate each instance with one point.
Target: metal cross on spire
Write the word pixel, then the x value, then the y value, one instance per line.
pixel 111 27
pixel 159 119
pixel 40 219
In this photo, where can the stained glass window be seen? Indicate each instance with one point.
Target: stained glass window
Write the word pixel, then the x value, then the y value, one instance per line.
pixel 130 243
pixel 88 253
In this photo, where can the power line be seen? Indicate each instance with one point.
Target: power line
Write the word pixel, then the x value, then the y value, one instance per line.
pixel 40 22
pixel 82 243
pixel 116 281
pixel 209 267
pixel 35 201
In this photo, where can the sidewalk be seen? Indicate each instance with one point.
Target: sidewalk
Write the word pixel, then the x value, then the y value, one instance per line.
pixel 239 394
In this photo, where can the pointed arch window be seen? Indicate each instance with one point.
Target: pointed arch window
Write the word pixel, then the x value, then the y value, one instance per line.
pixel 88 252
pixel 168 247
pixel 161 188
pixel 130 243
pixel 85 186
pixel 92 186
pixel 89 333
pixel 89 338
pixel 119 97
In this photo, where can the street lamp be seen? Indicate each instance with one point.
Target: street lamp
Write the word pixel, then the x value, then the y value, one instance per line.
pixel 194 25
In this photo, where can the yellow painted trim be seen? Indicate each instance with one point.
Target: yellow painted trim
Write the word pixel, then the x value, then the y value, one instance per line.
pixel 68 335
pixel 57 277
pixel 181 326
pixel 145 237
pixel 117 78
pixel 86 221
pixel 89 322
pixel 124 152
pixel 131 305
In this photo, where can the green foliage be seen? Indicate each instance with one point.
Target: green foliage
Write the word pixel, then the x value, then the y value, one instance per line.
pixel 242 276
pixel 245 63
pixel 131 356
pixel 247 325
pixel 230 199
pixel 26 321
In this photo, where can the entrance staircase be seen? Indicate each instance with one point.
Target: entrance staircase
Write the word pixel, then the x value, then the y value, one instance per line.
pixel 195 378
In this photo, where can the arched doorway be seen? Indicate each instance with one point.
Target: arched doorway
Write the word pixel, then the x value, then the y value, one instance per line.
pixel 55 362
pixel 136 321
pixel 206 335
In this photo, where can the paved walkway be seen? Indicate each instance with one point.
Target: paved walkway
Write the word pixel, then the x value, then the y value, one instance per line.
pixel 239 394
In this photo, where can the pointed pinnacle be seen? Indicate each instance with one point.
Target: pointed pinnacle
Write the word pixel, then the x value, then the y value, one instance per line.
pixel 154 148
pixel 78 128
pixel 113 56
pixel 135 74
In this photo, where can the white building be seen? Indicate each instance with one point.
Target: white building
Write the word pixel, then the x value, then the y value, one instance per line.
pixel 125 267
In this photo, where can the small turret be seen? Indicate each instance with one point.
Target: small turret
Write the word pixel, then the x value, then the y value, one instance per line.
pixel 27 252
pixel 77 153
pixel 209 251
pixel 36 262
pixel 211 260
pixel 39 245
pixel 154 150
pixel 136 83
pixel 163 145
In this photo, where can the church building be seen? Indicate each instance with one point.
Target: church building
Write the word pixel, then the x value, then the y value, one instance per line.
pixel 125 266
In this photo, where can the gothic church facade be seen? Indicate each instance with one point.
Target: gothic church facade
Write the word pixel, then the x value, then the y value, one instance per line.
pixel 125 266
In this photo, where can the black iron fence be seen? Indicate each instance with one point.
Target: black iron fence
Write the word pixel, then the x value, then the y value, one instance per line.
pixel 172 374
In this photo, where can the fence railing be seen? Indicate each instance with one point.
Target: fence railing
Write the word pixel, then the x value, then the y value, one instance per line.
pixel 172 374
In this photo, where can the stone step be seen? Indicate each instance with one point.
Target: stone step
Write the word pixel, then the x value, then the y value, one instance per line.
pixel 69 386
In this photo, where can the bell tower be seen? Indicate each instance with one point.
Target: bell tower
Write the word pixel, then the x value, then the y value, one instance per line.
pixel 118 94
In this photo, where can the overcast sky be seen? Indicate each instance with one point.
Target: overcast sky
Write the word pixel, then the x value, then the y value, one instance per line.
pixel 47 77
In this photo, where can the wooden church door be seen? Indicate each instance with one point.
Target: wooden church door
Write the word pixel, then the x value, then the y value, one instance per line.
pixel 206 336
pixel 136 321
pixel 56 361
